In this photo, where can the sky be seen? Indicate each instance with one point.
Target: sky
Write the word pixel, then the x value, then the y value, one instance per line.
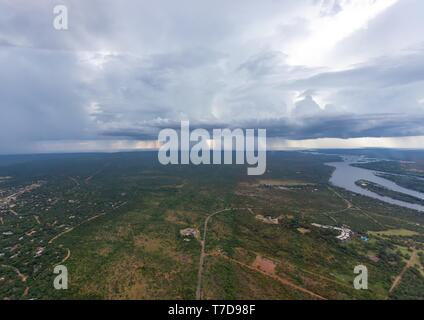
pixel 314 73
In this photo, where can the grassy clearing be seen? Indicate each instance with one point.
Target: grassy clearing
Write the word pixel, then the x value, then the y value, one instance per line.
pixel 394 232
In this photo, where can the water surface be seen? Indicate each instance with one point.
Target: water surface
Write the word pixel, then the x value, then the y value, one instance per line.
pixel 346 175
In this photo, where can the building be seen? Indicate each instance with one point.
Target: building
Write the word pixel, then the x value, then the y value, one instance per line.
pixel 189 232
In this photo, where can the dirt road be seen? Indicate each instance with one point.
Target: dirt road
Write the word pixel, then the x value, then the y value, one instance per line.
pixel 70 229
pixel 202 253
pixel 411 262
pixel 68 254
pixel 283 281
pixel 19 274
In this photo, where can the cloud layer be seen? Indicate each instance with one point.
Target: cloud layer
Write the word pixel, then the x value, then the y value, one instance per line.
pixel 302 69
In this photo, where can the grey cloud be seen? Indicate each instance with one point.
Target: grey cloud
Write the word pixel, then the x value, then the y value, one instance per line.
pixel 127 69
pixel 306 107
pixel 382 72
pixel 311 127
pixel 329 7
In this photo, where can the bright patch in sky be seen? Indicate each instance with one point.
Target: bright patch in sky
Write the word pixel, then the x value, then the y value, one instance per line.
pixel 328 30
pixel 97 59
pixel 415 142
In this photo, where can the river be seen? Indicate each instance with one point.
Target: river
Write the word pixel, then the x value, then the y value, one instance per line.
pixel 345 176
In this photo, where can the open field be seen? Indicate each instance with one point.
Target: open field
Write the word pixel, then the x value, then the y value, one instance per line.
pixel 396 232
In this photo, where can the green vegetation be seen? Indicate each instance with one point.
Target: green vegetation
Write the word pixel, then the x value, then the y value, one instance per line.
pixel 383 191
pixel 114 220
pixel 411 287
pixel 395 232
pixel 396 167
pixel 405 181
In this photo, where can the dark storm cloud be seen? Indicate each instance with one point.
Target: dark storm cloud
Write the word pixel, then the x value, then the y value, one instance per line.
pixel 335 126
pixel 354 126
pixel 36 100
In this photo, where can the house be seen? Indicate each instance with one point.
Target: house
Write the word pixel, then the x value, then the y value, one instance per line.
pixel 268 219
pixel 345 232
pixel 189 232
pixel 39 251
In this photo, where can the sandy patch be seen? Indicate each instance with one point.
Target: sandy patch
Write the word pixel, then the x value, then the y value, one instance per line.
pixel 105 251
pixel 303 230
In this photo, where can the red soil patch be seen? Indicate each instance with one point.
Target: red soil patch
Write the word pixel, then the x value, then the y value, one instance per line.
pixel 264 264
